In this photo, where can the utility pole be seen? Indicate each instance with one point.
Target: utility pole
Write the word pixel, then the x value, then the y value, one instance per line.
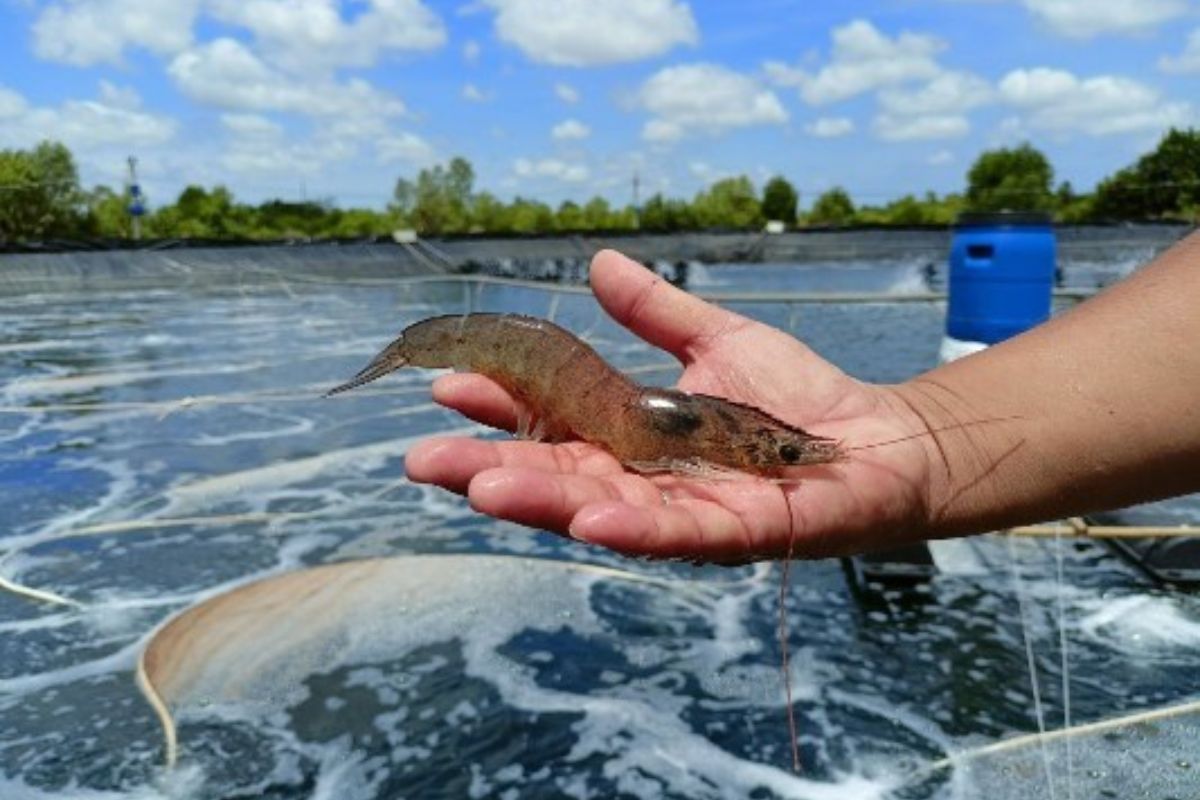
pixel 137 203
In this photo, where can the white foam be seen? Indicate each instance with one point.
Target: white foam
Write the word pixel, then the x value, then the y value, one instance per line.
pixel 159 340
pixel 123 483
pixel 41 344
pixel 346 461
pixel 73 384
pixel 343 774
pixel 297 425
pixel 1142 624
pixel 911 279
pixel 17 789
pixel 700 277
pixel 120 661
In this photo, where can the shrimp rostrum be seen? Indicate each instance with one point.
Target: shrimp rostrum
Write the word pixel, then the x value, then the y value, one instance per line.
pixel 565 390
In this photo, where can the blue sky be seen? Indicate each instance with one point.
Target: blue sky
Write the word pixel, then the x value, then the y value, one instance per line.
pixel 569 99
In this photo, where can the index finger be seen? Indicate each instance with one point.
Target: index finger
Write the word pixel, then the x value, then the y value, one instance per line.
pixel 656 311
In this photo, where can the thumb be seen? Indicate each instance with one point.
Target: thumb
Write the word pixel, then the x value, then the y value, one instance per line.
pixel 663 315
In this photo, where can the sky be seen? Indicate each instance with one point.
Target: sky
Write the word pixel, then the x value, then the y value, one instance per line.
pixel 329 100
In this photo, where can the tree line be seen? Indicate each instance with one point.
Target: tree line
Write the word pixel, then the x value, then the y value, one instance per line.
pixel 41 198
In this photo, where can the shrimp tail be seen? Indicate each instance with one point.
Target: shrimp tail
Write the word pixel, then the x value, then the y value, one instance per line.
pixel 390 359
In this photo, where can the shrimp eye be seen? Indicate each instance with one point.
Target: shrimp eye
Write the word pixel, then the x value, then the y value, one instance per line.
pixel 789 453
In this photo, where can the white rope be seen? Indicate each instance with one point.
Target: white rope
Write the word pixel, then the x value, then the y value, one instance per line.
pixel 1019 587
pixel 1065 663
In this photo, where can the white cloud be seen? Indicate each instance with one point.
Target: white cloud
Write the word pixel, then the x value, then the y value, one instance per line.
pixel 471 51
pixel 473 93
pixel 940 158
pixel 948 93
pixel 551 168
pixel 12 105
pixel 114 119
pixel 1087 18
pixel 704 98
pixel 936 110
pixel 662 131
pixel 566 92
pixel 226 74
pixel 277 159
pixel 570 129
pixel 830 127
pixel 252 126
pixel 863 59
pixel 928 126
pixel 312 35
pixel 406 147
pixel 260 146
pixel 1188 60
pixel 584 33
pixel 86 32
pixel 301 35
pixel 257 145
pixel 1008 131
pixel 1058 101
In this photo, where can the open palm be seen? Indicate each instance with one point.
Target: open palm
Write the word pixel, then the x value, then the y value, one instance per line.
pixel 874 499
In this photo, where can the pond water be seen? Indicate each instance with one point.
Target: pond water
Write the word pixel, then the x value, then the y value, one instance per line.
pixel 161 447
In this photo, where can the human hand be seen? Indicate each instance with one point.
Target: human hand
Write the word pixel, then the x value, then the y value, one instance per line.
pixel 874 499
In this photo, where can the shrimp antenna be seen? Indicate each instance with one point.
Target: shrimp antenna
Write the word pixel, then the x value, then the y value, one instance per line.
pixel 911 436
pixel 387 361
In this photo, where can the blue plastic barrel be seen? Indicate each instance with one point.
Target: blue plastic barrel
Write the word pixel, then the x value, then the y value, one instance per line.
pixel 1001 275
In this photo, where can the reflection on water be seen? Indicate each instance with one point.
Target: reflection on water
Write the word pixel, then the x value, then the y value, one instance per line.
pixel 166 446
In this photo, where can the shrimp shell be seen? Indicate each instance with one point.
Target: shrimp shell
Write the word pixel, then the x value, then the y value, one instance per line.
pixel 563 385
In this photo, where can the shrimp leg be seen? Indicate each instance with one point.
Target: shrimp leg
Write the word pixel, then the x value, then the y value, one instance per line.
pixel 529 428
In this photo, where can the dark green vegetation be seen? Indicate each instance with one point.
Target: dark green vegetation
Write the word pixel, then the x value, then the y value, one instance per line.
pixel 41 198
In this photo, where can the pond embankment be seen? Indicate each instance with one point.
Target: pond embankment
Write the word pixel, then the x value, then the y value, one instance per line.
pixel 171 264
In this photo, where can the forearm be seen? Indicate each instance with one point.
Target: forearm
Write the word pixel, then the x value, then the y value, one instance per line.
pixel 1098 408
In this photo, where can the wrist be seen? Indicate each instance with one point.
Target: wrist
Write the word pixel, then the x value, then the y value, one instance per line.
pixel 965 448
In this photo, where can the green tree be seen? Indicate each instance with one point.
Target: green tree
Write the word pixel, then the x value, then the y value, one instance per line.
pixel 780 200
pixel 488 214
pixel 199 213
pixel 356 222
pixel 530 216
pixel 40 195
pixel 1162 183
pixel 439 201
pixel 108 214
pixel 728 203
pixel 906 210
pixel 1016 179
pixel 404 200
pixel 833 207
pixel 598 214
pixel 624 219
pixel 569 217
pixel 285 218
pixel 667 214
pixel 942 210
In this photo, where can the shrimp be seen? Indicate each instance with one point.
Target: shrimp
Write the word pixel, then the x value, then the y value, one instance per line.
pixel 566 390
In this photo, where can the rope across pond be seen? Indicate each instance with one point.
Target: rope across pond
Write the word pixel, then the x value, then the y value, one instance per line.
pixel 1076 526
